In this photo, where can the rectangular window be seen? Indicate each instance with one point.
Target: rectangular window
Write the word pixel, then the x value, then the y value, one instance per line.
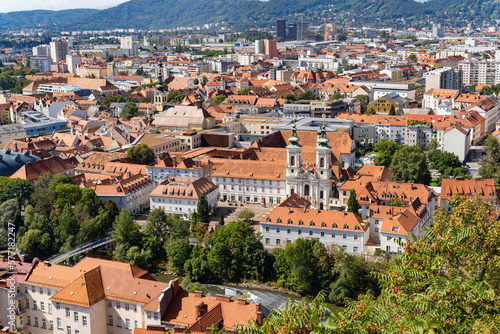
pixel 118 305
pixel 136 324
pixel 36 321
pixel 135 308
pixel 127 323
pixel 49 292
pixel 51 325
pixel 109 303
pixel 118 321
pixel 58 306
pixel 34 305
pixel 322 234
pixel 355 249
pixel 41 290
pixel 84 320
pixel 278 230
pixel 288 231
pixel 42 306
pixel 44 323
pixel 310 232
pixel 110 320
pixel 50 308
pixel 355 237
pixel 67 313
pixel 33 289
pixel 344 236
pixel 267 228
pixel 27 304
pixel 149 315
pixel 68 330
pixel 25 290
pixel 278 241
pixel 76 316
pixel 156 316
pixel 267 241
pixel 59 323
pixel 299 231
pixel 28 320
pixel 127 307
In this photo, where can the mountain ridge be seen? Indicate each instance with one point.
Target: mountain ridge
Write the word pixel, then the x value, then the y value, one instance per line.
pixel 35 18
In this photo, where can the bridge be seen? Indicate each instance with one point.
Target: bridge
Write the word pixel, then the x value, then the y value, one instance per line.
pixel 82 249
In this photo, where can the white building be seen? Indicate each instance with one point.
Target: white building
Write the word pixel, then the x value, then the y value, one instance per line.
pixel 457 140
pixel 41 63
pixel 434 97
pixel 129 192
pixel 172 166
pixel 58 50
pixel 73 61
pixel 286 224
pixel 180 195
pixel 41 50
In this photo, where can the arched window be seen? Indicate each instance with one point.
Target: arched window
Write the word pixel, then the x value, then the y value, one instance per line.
pixel 306 190
pixel 322 162
pixel 292 160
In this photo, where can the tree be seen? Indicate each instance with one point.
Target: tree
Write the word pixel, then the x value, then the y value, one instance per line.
pixel 307 95
pixel 385 151
pixel 491 167
pixel 112 209
pixel 246 214
pixel 342 37
pixel 10 217
pixel 392 111
pixel 203 211
pixel 156 232
pixel 409 165
pixel 444 160
pixel 242 91
pixel 413 57
pixel 68 225
pixel 66 194
pixel 130 110
pixel 140 71
pixel 196 81
pixel 35 243
pixel 337 96
pixel 175 96
pixel 141 154
pixel 91 201
pixel 447 281
pixel 352 203
pixel 487 90
pixel 371 111
pixel 219 99
pixel 221 219
pixel 349 274
pixel 141 258
pixel 126 233
pixel 58 179
pixel 363 101
pixel 303 266
pixel 178 252
pixel 430 112
pixel 18 189
pixel 288 97
pixel 109 58
pixel 203 80
pixel 396 201
pixel 124 73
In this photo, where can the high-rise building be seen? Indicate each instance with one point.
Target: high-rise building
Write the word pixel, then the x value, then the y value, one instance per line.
pixel 330 31
pixel 302 30
pixel 480 72
pixel 259 47
pixel 73 60
pixel 129 43
pixel 443 78
pixel 270 48
pixel 292 32
pixel 437 31
pixel 58 50
pixel 281 28
pixel 41 50
pixel 41 63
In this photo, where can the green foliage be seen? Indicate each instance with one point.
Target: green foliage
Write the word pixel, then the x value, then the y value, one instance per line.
pixel 221 219
pixel 446 163
pixel 130 110
pixel 178 253
pixel 243 91
pixel 219 99
pixel 409 165
pixel 385 151
pixel 175 97
pixel 396 201
pixel 352 203
pixel 413 57
pixel 203 211
pixel 491 167
pixel 246 214
pixel 35 243
pixel 66 194
pixel 392 111
pixel 113 98
pixel 126 234
pixel 364 100
pixel 141 154
pixel 307 95
pixel 447 281
pixel 18 189
pixel 140 257
pixel 289 97
pixel 336 96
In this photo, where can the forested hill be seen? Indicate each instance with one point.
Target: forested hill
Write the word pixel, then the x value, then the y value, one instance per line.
pixel 245 14
pixel 40 18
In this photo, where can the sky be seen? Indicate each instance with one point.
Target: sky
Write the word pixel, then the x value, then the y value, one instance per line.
pixel 10 6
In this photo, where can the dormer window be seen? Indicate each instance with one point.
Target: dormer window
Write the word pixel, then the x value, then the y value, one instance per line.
pixel 268 220
pixel 346 227
pixel 301 222
pixel 278 221
pixel 289 222
pixel 334 225
pixel 311 224
pixel 356 227
pixel 323 225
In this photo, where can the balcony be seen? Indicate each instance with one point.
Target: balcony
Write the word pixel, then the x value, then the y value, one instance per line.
pixel 20 311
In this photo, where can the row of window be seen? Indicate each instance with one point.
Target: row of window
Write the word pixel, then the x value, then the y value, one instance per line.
pixel 126 306
pixel 263 190
pixel 119 322
pixel 311 233
pixel 311 223
pixel 36 324
pixel 355 249
pixel 262 182
pixel 40 290
pixel 35 306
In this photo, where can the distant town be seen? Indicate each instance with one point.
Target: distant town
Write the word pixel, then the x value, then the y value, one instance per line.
pixel 140 171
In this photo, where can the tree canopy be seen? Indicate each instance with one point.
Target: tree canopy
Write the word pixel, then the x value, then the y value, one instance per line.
pixel 385 149
pixel 141 154
pixel 409 165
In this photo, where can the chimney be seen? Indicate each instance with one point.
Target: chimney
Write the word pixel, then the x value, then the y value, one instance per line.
pixel 198 294
pixel 175 286
pixel 200 309
pixel 222 298
pixel 258 317
pixel 241 301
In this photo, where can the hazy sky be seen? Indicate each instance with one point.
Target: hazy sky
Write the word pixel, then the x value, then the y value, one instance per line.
pixel 10 5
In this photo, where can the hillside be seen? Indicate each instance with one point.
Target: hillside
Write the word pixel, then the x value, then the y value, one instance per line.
pixel 35 18
pixel 244 14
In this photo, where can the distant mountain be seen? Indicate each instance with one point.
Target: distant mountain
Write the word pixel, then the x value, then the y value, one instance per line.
pixel 244 14
pixel 35 18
